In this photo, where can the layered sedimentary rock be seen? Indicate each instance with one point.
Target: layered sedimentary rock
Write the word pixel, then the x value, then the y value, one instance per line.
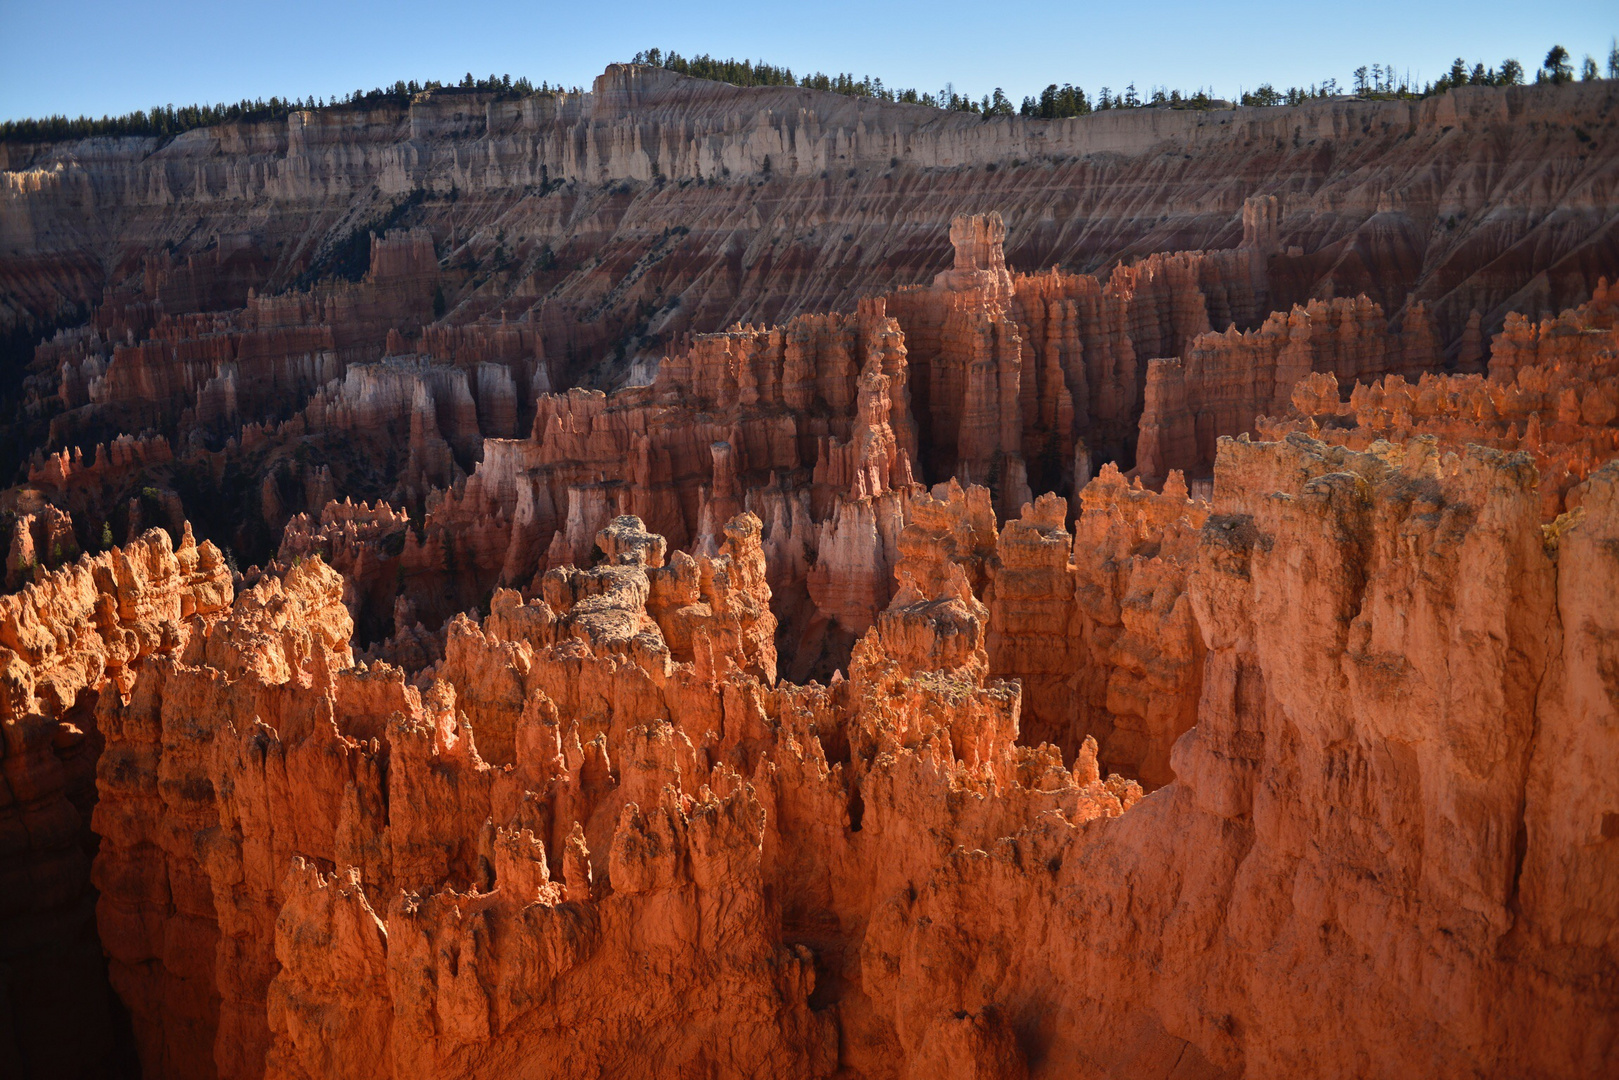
pixel 558 263
pixel 740 203
pixel 41 539
pixel 1045 370
pixel 1097 626
pixel 338 389
pixel 681 729
pixel 65 640
pixel 808 425
pixel 365 543
pixel 312 863
pixel 190 372
pixel 1225 380
pixel 668 794
pixel 447 871
pixel 1324 761
pixel 1552 392
pixel 817 426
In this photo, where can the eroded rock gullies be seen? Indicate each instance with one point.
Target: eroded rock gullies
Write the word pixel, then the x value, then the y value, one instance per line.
pixel 1224 380
pixel 563 261
pixel 604 802
pixel 930 687
pixel 1552 392
pixel 1333 676
pixel 1046 371
pixel 820 427
pixel 70 639
pixel 823 427
pixel 755 205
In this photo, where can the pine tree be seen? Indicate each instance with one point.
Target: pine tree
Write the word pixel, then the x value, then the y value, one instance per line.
pixel 1556 67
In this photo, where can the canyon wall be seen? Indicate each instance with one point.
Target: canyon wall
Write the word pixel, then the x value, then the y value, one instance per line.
pixel 1169 633
pixel 67 642
pixel 1388 822
pixel 814 426
pixel 1048 372
pixel 757 204
pixel 1225 380
pixel 1552 392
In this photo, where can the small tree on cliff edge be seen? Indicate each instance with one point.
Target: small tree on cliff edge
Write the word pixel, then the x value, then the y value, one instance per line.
pixel 1556 69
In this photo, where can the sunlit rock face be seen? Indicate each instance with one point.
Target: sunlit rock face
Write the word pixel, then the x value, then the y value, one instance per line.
pixel 699 592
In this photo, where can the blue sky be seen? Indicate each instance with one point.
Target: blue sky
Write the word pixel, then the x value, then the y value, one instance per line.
pixel 112 56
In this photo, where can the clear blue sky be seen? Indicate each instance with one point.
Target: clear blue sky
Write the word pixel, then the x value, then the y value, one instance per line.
pixel 113 56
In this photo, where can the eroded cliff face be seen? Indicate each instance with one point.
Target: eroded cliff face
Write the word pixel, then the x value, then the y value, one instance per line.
pixel 1020 674
pixel 76 636
pixel 1225 380
pixel 693 809
pixel 601 832
pixel 1552 392
pixel 1299 890
pixel 816 426
pixel 581 239
pixel 756 205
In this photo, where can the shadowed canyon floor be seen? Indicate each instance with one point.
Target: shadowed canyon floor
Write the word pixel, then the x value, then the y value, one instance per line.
pixel 673 582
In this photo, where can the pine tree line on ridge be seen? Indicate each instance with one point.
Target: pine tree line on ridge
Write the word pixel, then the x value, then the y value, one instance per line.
pixel 1375 81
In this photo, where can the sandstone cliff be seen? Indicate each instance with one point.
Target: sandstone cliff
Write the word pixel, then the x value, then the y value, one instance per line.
pixel 684 729
pixel 68 640
pixel 755 205
pixel 1552 392
pixel 1225 380
pixel 446 871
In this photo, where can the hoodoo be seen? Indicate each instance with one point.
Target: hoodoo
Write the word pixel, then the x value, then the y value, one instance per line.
pixel 697 580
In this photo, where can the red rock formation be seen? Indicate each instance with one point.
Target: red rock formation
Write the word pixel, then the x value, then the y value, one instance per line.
pixel 1226 380
pixel 1553 392
pixel 1305 736
pixel 660 786
pixel 518 758
pixel 732 423
pixel 857 548
pixel 1096 627
pixel 364 543
pixel 75 634
pixel 41 539
pixel 1039 371
pixel 1261 216
pixel 1138 657
pixel 124 457
pixel 1043 368
pixel 650 824
pixel 1564 339
pixel 1402 213
pixel 207 373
